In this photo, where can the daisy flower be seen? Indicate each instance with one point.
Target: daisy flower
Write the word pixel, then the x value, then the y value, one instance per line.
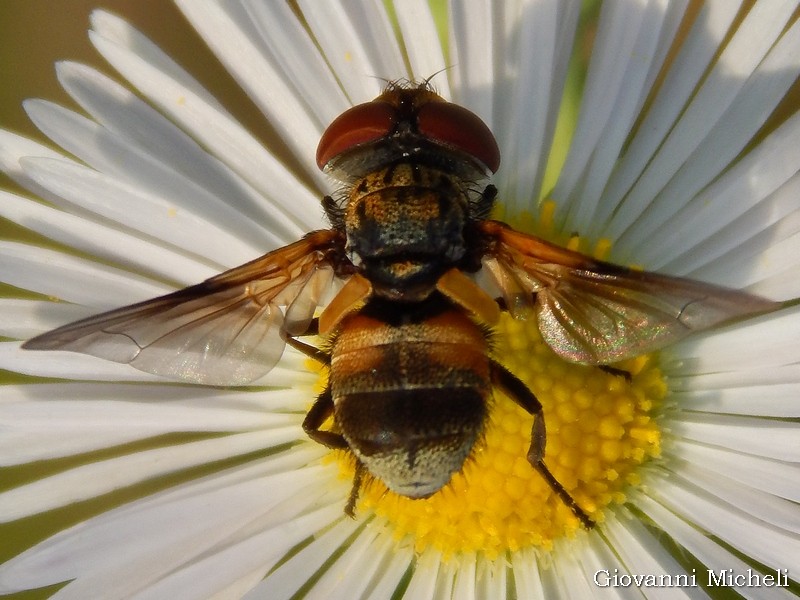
pixel 676 152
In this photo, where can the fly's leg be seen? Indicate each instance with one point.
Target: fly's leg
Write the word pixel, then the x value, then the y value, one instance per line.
pixel 307 349
pixel 519 392
pixel 322 408
pixel 350 507
pixel 321 411
pixel 615 372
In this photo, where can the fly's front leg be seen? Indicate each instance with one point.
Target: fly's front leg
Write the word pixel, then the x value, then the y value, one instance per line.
pixel 519 393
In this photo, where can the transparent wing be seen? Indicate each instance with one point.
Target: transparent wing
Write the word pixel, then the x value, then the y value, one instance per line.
pixel 594 312
pixel 227 330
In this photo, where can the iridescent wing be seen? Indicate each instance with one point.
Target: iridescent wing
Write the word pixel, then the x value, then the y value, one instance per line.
pixel 595 312
pixel 227 330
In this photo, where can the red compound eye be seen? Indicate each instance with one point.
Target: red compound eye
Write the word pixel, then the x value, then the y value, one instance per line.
pixel 362 123
pixel 414 115
pixel 459 128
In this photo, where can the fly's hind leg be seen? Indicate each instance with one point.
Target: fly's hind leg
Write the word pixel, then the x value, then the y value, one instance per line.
pixel 519 392
pixel 322 408
pixel 321 411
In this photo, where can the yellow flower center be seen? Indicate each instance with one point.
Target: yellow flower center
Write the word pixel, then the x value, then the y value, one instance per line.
pixel 600 429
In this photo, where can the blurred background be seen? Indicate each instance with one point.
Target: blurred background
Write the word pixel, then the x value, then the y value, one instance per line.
pixel 35 34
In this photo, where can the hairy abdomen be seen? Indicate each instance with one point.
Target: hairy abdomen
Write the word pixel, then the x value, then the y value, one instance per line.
pixel 410 398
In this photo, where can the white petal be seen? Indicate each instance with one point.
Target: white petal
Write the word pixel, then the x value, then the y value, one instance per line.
pixel 600 562
pixel 233 589
pixel 82 367
pixel 87 417
pixel 283 582
pixel 445 580
pixel 22 319
pixel 67 365
pixel 421 42
pixel 425 574
pixel 527 581
pixel 351 574
pixel 473 32
pixel 358 41
pixel 102 477
pixel 188 396
pixel 493 582
pixel 151 134
pixel 741 245
pixel 762 542
pixel 763 437
pixel 750 181
pixel 12 148
pixel 642 553
pixel 101 240
pixel 611 58
pixel 632 40
pixel 160 80
pixel 777 511
pixel 72 279
pixel 705 549
pixel 777 266
pixel 119 31
pixel 164 531
pixel 567 577
pixel 697 50
pixel 282 40
pixel 765 392
pixel 465 580
pixel 252 556
pixel 391 574
pixel 752 40
pixel 766 341
pixel 229 33
pixel 169 208
pixel 530 92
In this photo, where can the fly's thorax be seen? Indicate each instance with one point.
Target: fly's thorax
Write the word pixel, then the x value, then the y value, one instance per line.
pixel 410 393
pixel 405 226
